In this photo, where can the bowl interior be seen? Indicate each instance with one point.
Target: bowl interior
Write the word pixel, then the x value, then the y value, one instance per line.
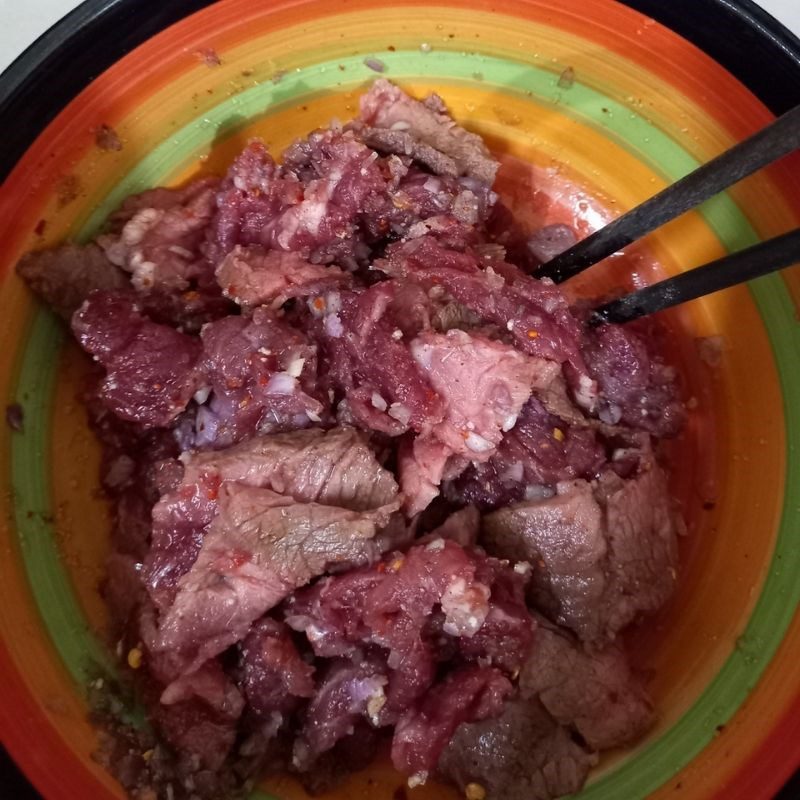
pixel 645 107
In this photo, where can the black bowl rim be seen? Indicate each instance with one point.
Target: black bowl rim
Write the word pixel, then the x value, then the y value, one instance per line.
pixel 757 49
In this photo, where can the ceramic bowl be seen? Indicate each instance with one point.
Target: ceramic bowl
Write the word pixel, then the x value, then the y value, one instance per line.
pixel 593 106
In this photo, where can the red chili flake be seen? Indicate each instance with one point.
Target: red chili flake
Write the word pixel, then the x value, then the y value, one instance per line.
pixel 15 417
pixel 233 560
pixel 106 138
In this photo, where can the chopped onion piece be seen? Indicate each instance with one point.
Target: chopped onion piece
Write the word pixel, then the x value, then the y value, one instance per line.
pixel 201 395
pixel 538 492
pixel 333 326
pixel 509 422
pixel 295 368
pixel 378 402
pixel 400 412
pixel 333 301
pixel 281 383
pixel 477 443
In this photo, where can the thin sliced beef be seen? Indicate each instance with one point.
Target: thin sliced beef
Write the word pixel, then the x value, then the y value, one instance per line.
pixel 349 692
pixel 274 676
pixel 278 345
pixel 468 695
pixel 540 451
pixel 421 197
pixel 435 602
pixel 365 355
pixel 523 754
pixel 162 245
pixel 459 152
pixel 259 548
pixel 151 370
pixel 602 553
pixel 180 519
pixel 65 276
pixel 593 691
pixel 333 468
pixel 123 591
pixel 421 464
pixel 535 313
pixel 260 377
pixel 563 538
pixel 251 197
pixel 462 527
pixel 507 632
pixel 404 143
pixel 210 684
pixel 483 385
pixel 198 717
pixel 311 205
pixel 251 276
pixel 331 612
pixel 642 527
pixel 634 388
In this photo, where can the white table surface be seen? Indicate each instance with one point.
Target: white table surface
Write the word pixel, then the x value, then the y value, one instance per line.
pixel 22 21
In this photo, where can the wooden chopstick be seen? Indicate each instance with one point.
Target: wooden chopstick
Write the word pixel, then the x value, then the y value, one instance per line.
pixel 755 261
pixel 771 143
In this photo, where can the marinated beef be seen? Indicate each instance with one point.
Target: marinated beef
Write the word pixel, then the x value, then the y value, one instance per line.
pixel 523 754
pixel 385 106
pixel 252 277
pixel 65 276
pixel 593 691
pixel 276 349
pixel 259 548
pixel 152 370
pixel 603 552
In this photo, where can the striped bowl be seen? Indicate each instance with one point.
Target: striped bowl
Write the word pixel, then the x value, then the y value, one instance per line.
pixel 646 106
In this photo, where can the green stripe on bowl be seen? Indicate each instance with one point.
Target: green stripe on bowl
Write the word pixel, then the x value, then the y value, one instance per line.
pixel 647 768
